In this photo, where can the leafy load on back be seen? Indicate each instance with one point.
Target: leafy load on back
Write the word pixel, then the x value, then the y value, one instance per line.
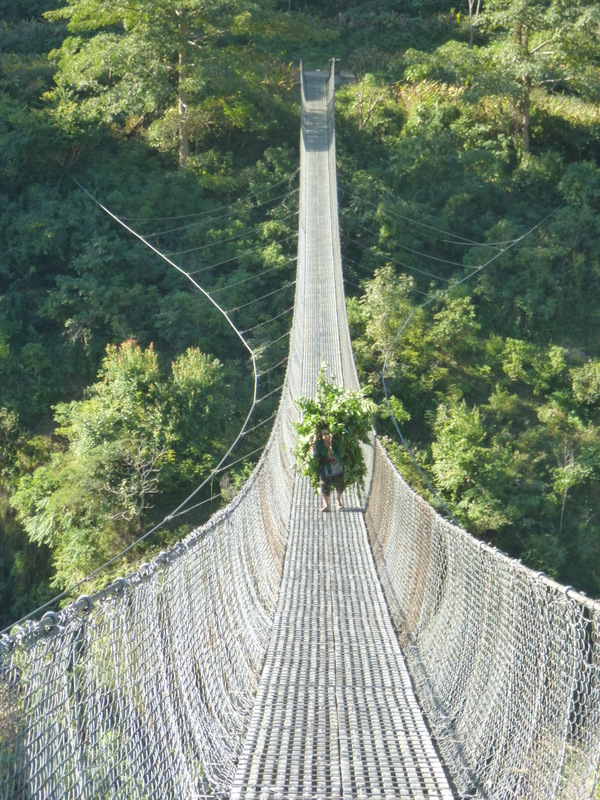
pixel 347 415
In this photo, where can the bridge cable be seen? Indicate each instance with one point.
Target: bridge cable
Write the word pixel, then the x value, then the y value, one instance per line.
pixel 463 239
pixel 397 263
pixel 403 327
pixel 263 297
pixel 178 509
pixel 369 271
pixel 244 234
pixel 219 208
pixel 250 278
pixel 416 252
pixel 238 256
pixel 208 220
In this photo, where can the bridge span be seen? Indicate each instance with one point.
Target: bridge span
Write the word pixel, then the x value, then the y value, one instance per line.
pixel 335 713
pixel 279 653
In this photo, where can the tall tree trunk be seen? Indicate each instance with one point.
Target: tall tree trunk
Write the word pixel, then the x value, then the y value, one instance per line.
pixel 521 36
pixel 526 115
pixel 473 14
pixel 184 142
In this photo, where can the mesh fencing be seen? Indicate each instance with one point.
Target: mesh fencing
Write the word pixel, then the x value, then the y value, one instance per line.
pixel 146 692
pixel 146 689
pixel 504 661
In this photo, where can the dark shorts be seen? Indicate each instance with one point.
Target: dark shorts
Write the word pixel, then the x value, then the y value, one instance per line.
pixel 329 481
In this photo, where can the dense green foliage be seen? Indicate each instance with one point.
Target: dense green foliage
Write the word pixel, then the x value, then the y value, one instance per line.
pixel 347 416
pixel 137 433
pixel 73 282
pixel 460 133
pixel 472 248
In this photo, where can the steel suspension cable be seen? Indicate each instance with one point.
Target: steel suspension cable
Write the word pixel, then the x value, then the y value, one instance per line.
pixel 436 296
pixel 69 591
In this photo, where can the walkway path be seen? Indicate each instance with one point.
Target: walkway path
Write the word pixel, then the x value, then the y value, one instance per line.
pixel 335 714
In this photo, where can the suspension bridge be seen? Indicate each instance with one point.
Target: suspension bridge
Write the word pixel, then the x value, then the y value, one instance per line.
pixel 375 652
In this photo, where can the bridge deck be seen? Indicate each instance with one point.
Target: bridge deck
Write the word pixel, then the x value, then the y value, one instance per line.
pixel 335 714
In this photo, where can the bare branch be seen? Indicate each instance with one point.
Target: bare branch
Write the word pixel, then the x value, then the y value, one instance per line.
pixel 542 44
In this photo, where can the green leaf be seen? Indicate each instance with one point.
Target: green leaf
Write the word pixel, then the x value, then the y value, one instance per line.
pixel 347 415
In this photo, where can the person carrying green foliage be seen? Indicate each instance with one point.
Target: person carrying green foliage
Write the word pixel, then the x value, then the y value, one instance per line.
pixel 331 467
pixel 332 427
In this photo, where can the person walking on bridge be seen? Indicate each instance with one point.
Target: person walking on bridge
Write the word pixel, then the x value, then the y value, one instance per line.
pixel 333 426
pixel 331 468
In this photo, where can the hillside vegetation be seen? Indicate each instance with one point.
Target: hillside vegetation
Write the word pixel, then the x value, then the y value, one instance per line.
pixel 468 142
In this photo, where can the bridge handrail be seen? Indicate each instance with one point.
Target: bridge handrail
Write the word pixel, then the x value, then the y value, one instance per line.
pixel 85 690
pixel 505 660
pixel 146 688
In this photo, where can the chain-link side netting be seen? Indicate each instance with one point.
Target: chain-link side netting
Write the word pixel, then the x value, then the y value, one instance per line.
pixel 146 692
pixel 504 661
pixel 146 689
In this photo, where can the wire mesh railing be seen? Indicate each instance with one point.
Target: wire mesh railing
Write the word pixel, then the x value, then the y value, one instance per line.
pixel 504 660
pixel 145 690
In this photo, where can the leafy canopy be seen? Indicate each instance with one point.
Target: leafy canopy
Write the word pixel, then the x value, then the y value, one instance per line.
pixel 180 72
pixel 136 432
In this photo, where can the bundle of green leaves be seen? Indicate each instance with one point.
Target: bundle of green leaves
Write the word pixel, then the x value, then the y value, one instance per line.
pixel 347 415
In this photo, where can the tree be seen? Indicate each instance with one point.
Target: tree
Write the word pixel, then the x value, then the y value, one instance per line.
pixel 9 442
pixel 137 432
pixel 474 8
pixel 553 45
pixel 385 307
pixel 468 468
pixel 176 70
pixel 526 45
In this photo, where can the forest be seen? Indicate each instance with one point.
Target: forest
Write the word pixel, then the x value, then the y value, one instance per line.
pixel 149 151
